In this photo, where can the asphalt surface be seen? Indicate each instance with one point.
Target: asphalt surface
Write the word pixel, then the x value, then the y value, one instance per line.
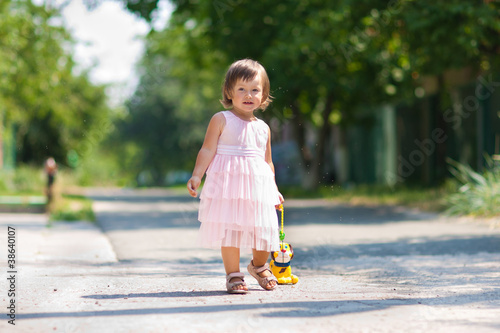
pixel 361 269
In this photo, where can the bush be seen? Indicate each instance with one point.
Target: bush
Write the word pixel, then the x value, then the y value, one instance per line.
pixel 477 194
pixel 99 169
pixel 72 208
pixel 23 180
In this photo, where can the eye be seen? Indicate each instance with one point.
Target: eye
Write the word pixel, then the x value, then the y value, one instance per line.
pixel 256 90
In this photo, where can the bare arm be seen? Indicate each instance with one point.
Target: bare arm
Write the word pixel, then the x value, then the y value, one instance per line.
pixel 269 160
pixel 207 152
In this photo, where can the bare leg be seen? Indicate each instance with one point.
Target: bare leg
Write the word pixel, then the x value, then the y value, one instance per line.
pixel 231 259
pixel 260 259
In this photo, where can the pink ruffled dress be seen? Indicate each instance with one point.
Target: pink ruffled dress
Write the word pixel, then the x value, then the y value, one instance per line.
pixel 237 207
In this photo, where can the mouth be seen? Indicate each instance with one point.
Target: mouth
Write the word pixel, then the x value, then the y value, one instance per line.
pixel 247 103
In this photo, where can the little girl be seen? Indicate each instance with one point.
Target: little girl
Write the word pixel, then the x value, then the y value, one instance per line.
pixel 240 197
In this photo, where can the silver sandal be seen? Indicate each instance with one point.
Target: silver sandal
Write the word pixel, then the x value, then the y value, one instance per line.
pixel 230 285
pixel 263 281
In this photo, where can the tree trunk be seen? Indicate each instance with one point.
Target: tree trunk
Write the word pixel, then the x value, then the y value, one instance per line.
pixel 300 136
pixel 313 162
pixel 441 148
pixel 314 175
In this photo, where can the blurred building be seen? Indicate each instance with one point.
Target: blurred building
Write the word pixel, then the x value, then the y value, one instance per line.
pixel 454 116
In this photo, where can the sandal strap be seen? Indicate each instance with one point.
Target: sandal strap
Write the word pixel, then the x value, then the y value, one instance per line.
pixel 262 268
pixel 235 275
pixel 269 279
pixel 231 285
pixel 263 281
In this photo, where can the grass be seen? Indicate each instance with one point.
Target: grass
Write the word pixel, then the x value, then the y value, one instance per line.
pixel 68 207
pixel 476 194
pixel 25 181
pixel 22 181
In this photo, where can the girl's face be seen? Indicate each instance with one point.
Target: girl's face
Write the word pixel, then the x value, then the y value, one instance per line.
pixel 247 95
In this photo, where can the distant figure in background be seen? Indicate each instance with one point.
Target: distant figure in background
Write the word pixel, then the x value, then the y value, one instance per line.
pixel 51 171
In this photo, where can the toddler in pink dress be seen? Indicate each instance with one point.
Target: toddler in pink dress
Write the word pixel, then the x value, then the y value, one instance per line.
pixel 239 198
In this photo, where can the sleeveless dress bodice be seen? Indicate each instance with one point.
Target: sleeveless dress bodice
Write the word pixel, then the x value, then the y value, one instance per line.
pixel 237 207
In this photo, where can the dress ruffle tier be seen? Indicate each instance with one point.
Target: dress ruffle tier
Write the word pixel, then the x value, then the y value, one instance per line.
pixel 238 199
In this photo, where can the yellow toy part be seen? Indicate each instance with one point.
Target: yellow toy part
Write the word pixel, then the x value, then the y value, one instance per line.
pixel 280 265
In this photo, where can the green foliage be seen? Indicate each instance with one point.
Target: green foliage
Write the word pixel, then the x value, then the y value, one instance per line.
pixel 326 57
pixel 22 180
pixel 72 208
pixel 167 115
pixel 477 194
pixel 98 169
pixel 27 179
pixel 144 8
pixel 50 105
pixel 442 35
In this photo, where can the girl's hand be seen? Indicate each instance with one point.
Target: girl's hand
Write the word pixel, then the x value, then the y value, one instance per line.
pixel 281 201
pixel 192 186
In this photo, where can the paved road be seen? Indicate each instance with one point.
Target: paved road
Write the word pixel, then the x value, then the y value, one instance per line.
pixel 361 269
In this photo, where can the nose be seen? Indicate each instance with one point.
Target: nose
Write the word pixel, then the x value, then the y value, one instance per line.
pixel 283 250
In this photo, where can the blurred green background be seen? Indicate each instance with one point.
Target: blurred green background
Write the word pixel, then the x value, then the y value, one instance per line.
pixel 372 99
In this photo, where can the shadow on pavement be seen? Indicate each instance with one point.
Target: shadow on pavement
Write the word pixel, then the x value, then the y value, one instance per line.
pixel 320 308
pixel 181 212
pixel 147 220
pixel 320 257
pixel 195 293
pixel 286 309
pixel 423 247
pixel 345 214
pixel 143 198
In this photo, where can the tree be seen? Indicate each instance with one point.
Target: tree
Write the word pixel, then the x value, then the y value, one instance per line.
pixel 455 37
pixel 167 115
pixel 52 107
pixel 296 42
pixel 328 59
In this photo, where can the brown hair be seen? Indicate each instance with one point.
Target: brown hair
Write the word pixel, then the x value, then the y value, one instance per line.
pixel 245 69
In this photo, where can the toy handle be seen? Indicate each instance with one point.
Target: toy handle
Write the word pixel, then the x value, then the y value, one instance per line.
pixel 282 233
